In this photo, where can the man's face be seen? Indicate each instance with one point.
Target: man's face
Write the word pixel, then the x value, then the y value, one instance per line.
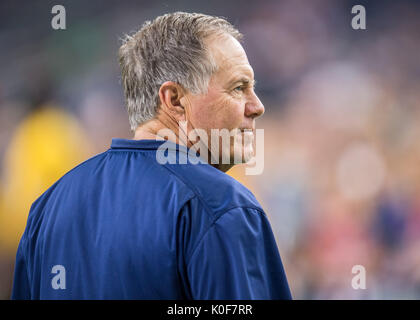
pixel 230 102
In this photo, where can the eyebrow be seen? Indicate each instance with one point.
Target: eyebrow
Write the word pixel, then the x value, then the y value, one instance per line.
pixel 243 80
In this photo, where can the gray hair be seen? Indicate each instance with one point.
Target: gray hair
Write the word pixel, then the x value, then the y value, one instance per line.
pixel 169 48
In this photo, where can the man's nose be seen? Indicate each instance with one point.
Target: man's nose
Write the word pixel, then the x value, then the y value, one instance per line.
pixel 254 107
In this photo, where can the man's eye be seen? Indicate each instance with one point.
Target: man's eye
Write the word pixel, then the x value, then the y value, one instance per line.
pixel 240 88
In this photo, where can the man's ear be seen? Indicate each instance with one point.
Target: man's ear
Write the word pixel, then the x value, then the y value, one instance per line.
pixel 170 94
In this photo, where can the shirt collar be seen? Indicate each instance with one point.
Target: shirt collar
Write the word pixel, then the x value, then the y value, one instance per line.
pixel 118 143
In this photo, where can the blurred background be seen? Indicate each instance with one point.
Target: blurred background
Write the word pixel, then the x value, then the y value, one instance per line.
pixel 341 183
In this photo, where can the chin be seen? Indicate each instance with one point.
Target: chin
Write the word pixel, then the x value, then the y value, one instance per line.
pixel 248 153
pixel 244 153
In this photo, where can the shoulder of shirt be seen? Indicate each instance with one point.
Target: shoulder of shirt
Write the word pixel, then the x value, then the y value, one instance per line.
pixel 35 212
pixel 47 192
pixel 216 190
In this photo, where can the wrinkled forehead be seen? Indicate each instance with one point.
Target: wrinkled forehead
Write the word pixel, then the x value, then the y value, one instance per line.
pixel 229 55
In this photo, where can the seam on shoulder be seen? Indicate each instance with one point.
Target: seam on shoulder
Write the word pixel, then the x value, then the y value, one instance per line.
pixel 190 187
pixel 195 191
pixel 217 217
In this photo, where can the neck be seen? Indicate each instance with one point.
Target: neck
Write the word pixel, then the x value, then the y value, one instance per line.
pixel 150 130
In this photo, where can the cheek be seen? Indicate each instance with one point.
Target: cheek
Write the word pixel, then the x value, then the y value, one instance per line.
pixel 232 115
pixel 217 113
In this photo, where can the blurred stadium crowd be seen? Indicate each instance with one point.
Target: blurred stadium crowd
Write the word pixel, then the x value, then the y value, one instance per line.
pixel 341 183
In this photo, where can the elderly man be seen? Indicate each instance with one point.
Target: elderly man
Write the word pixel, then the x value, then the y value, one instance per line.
pixel 125 225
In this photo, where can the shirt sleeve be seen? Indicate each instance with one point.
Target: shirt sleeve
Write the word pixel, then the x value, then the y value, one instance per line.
pixel 237 258
pixel 21 288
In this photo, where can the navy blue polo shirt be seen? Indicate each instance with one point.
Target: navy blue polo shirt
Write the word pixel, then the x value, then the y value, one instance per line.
pixel 122 225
